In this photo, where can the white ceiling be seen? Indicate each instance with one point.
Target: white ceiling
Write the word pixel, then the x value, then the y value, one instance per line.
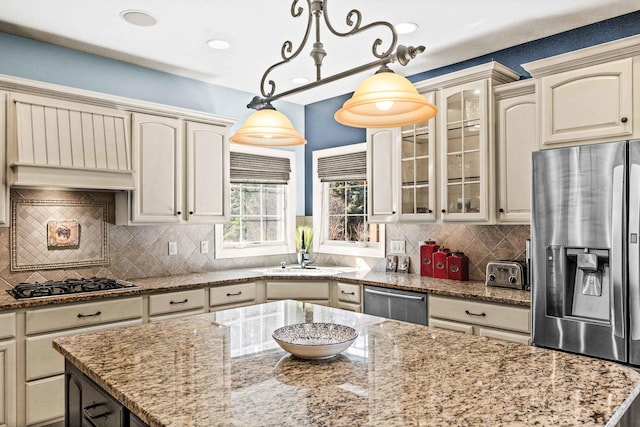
pixel 451 30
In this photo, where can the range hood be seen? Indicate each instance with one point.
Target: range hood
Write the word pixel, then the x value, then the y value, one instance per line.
pixel 65 144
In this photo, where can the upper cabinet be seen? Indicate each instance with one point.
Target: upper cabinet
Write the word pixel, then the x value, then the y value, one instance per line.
pixel 464 152
pixel 4 187
pixel 441 169
pixel 516 139
pixel 182 173
pixel 589 95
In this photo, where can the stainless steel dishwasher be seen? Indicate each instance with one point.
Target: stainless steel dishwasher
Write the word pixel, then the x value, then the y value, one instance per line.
pixel 396 304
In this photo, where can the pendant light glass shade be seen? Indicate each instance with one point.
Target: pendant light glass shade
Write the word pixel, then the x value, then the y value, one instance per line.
pixel 385 100
pixel 268 128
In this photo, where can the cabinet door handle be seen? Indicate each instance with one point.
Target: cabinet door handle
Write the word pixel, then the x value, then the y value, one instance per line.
pixel 179 213
pixel 429 211
pixel 190 212
pixel 229 294
pixel 443 211
pixel 501 210
pixel 88 412
pixel 347 293
pixel 468 313
pixel 624 120
pixel 97 313
pixel 179 302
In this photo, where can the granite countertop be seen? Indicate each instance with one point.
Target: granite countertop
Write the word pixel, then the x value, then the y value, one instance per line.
pixel 225 369
pixel 412 282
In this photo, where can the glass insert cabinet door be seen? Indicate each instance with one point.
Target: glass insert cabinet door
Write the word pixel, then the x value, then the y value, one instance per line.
pixel 417 180
pixel 464 147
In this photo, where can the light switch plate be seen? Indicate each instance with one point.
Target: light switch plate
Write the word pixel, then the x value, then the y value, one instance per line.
pixel 397 246
pixel 173 248
pixel 204 247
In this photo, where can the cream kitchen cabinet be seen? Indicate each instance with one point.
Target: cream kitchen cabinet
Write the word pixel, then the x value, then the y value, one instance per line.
pixel 587 104
pixel 316 292
pixel 5 218
pixel 42 384
pixel 401 172
pixel 8 369
pixel 232 296
pixel 347 296
pixel 516 139
pixel 176 304
pixel 492 320
pixel 182 173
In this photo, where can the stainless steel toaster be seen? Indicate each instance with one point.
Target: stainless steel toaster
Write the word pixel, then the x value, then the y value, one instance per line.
pixel 507 274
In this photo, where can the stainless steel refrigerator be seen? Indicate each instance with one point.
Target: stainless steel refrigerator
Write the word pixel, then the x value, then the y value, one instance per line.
pixel 585 254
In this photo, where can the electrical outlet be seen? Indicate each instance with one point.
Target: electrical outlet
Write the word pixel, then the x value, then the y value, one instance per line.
pixel 398 246
pixel 204 247
pixel 173 248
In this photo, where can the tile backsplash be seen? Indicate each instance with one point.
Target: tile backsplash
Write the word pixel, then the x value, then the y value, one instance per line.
pixel 141 251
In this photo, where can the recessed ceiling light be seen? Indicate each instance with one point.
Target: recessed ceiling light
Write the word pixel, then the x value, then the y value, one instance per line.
pixel 138 17
pixel 218 44
pixel 299 80
pixel 406 27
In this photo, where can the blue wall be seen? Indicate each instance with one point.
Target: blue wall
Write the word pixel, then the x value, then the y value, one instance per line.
pixel 322 131
pixel 30 59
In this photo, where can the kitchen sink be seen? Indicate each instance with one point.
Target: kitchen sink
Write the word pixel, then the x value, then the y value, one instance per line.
pixel 308 271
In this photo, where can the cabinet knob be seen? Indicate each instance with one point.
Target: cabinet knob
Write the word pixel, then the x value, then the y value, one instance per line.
pixel 393 212
pixel 190 212
pixel 179 213
pixel 501 210
pixel 429 211
pixel 443 211
pixel 624 120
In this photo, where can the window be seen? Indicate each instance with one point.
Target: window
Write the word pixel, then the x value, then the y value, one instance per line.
pixel 340 204
pixel 262 218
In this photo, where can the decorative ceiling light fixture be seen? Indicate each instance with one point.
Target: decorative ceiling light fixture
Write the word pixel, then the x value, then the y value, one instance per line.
pixel 385 99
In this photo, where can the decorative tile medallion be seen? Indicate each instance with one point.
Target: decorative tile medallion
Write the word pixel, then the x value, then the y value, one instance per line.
pixel 50 234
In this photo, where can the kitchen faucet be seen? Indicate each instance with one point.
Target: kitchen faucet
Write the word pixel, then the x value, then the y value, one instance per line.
pixel 303 256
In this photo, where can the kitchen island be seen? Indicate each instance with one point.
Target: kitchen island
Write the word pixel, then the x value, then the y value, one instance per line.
pixel 224 368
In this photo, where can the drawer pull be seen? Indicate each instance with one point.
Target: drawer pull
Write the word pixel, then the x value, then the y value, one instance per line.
pixel 179 302
pixel 468 313
pixel 348 293
pixel 97 313
pixel 88 411
pixel 234 294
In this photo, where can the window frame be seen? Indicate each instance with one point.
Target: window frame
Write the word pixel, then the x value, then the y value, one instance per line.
pixel 320 219
pixel 288 246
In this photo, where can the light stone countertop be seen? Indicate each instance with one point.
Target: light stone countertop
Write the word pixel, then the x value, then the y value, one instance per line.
pixel 195 372
pixel 413 282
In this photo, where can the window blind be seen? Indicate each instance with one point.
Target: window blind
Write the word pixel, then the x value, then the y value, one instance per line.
pixel 258 169
pixel 343 167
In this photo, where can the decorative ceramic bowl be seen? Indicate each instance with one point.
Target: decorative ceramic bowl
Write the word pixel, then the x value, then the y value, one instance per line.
pixel 315 340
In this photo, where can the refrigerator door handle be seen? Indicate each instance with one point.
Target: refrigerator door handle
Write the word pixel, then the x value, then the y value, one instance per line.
pixel 634 252
pixel 617 260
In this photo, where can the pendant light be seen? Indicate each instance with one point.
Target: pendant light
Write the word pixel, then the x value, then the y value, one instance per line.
pixel 269 128
pixel 385 100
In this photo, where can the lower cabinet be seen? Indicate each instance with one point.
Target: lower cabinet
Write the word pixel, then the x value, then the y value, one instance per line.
pixel 44 367
pixel 315 292
pixel 7 369
pixel 491 320
pixel 347 296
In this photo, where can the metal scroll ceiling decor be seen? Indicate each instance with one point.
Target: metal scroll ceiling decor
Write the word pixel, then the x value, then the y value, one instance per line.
pixel 385 99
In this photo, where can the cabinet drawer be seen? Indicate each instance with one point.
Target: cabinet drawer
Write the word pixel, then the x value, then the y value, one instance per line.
pixel 79 315
pixel 349 293
pixel 7 325
pixel 479 313
pixel 296 290
pixel 232 294
pixel 176 315
pixel 176 301
pixel 451 326
pixel 41 358
pixel 349 306
pixel 505 335
pixel 45 399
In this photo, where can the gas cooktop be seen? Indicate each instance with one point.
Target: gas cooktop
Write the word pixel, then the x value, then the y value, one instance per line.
pixel 67 286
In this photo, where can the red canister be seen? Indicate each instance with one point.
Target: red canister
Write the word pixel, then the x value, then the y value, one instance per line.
pixel 439 261
pixel 426 252
pixel 458 266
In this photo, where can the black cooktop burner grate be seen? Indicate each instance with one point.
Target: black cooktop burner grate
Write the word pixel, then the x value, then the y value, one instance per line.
pixel 67 286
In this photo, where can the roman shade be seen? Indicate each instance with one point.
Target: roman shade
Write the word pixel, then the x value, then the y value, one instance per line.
pixel 343 167
pixel 257 169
